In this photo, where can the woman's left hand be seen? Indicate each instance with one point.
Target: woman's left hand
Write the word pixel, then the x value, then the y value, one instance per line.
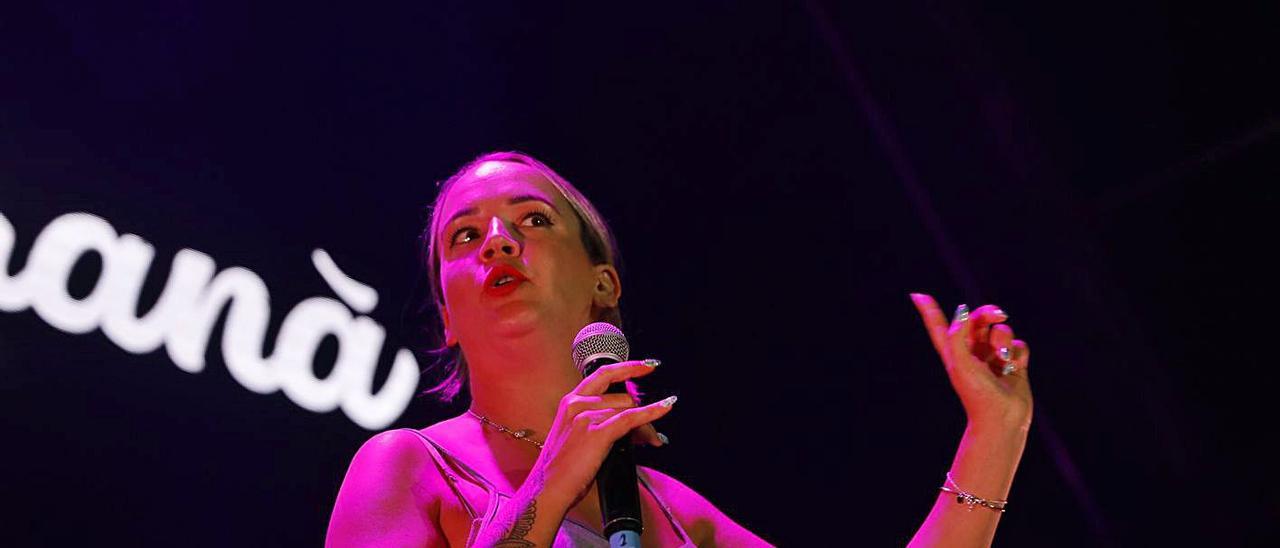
pixel 977 349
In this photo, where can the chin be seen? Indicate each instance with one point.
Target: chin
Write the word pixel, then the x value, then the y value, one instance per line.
pixel 515 321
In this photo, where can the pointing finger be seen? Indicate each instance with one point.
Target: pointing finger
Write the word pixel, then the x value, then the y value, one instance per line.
pixel 935 322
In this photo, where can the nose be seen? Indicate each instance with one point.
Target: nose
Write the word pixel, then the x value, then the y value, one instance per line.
pixel 498 242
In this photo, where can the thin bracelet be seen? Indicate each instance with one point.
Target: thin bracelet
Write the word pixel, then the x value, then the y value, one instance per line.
pixel 972 500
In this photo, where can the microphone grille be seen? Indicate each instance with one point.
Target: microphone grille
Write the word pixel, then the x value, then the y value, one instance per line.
pixel 597 340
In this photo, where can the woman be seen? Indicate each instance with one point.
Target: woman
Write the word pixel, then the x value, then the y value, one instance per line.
pixel 519 262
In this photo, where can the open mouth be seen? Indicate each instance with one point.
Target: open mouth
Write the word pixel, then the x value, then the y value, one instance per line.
pixel 503 279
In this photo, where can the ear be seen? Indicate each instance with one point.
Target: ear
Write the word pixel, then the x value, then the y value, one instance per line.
pixel 608 288
pixel 449 338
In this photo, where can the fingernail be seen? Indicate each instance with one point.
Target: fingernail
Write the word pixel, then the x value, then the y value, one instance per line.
pixel 1000 312
pixel 663 438
pixel 1004 353
pixel 669 401
pixel 962 313
pixel 651 362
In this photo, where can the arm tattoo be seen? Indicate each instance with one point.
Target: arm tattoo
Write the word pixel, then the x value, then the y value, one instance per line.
pixel 517 517
pixel 522 526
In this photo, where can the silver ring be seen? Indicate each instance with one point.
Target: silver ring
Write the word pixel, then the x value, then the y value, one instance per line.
pixel 1009 368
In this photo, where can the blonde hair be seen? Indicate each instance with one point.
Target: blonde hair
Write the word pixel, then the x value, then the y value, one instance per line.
pixel 596 238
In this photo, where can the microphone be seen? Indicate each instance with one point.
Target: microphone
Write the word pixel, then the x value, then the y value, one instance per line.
pixel 600 344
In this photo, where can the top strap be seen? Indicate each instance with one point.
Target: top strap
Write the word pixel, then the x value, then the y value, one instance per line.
pixel 446 470
pixel 666 510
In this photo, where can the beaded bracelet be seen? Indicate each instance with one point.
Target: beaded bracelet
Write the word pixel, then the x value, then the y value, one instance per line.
pixel 967 498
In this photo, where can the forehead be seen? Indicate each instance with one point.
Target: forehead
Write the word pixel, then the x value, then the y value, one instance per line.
pixel 498 180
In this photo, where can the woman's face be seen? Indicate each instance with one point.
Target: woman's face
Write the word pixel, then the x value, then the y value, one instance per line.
pixel 512 259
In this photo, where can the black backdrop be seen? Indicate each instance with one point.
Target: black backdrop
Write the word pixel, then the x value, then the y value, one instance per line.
pixel 779 178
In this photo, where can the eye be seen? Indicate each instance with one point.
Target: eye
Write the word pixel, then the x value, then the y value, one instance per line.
pixel 463 235
pixel 536 218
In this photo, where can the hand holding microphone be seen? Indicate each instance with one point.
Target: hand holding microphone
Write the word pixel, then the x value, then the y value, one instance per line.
pixel 589 441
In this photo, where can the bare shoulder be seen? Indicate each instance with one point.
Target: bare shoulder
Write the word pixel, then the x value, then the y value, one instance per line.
pixel 390 495
pixel 707 524
pixel 390 455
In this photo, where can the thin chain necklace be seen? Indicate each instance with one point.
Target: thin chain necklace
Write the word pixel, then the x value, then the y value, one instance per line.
pixel 521 434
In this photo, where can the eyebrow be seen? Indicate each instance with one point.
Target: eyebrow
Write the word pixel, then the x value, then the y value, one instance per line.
pixel 513 201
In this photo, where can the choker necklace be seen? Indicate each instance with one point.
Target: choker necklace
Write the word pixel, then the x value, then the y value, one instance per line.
pixel 522 434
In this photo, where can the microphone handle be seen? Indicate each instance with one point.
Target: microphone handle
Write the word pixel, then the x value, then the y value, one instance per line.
pixel 617 486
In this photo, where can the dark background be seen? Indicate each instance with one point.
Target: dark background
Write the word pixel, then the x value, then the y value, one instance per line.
pixel 779 177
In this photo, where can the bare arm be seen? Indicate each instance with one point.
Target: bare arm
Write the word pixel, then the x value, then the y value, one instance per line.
pixel 984 466
pixel 388 497
pixel 988 370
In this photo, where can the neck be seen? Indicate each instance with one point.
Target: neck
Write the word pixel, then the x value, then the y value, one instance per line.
pixel 520 384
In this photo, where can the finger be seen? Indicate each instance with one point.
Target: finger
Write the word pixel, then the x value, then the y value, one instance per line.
pixel 646 434
pixel 1001 344
pixel 578 404
pixel 625 421
pixel 983 318
pixel 1021 354
pixel 599 380
pixel 935 322
pixel 594 417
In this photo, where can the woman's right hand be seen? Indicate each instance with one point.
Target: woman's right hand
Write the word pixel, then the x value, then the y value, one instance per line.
pixel 587 424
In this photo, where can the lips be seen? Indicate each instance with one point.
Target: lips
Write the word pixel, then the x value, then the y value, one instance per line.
pixel 502 280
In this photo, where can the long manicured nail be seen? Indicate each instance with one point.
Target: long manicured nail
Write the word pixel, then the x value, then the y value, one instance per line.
pixel 669 401
pixel 663 438
pixel 1000 312
pixel 962 313
pixel 651 362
